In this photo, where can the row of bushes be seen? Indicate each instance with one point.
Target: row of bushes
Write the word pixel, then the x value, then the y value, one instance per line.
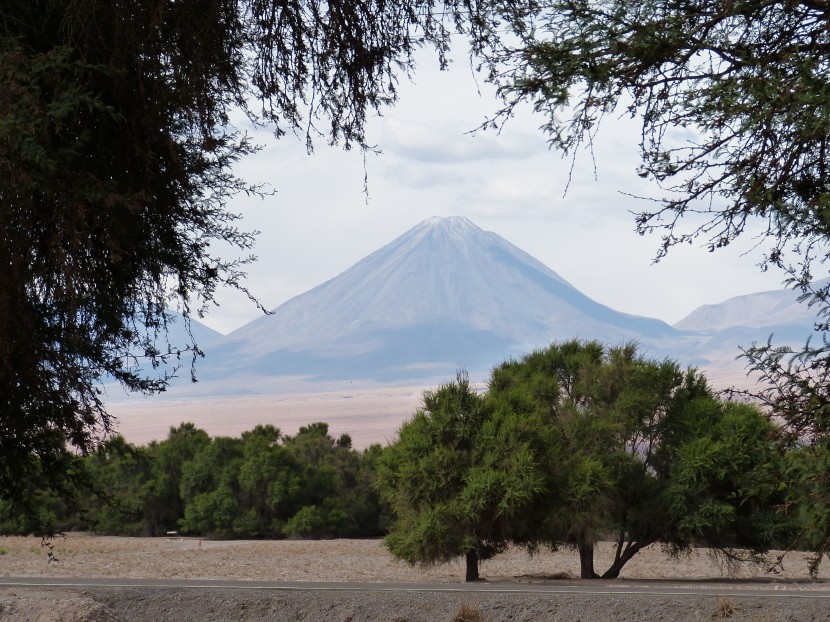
pixel 262 485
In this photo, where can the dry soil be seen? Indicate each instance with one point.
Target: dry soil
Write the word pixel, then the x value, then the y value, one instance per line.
pixel 82 555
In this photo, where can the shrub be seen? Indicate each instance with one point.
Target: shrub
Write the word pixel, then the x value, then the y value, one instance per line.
pixel 468 613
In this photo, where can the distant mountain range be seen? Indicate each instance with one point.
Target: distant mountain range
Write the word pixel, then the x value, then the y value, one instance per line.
pixel 777 307
pixel 447 294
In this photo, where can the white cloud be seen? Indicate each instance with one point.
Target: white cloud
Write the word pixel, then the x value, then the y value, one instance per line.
pixel 446 142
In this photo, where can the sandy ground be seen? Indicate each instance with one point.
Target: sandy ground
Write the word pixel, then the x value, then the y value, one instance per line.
pixel 83 555
pixel 367 415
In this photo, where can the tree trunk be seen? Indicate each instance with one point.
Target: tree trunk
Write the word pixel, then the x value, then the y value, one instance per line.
pixel 622 559
pixel 586 560
pixel 472 566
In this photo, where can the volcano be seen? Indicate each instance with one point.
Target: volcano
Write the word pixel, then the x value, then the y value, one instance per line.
pixel 444 295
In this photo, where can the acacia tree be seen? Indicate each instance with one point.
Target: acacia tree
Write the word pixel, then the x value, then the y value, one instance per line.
pixel 646 453
pixel 734 106
pixel 115 153
pixel 735 109
pixel 795 388
pixel 461 480
pixel 747 79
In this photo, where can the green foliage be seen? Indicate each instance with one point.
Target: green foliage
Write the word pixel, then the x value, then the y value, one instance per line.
pixel 806 485
pixel 795 389
pixel 308 522
pixel 460 478
pixel 208 488
pixel 644 453
pixel 269 479
pixel 268 485
pixel 43 516
pixel 164 503
pixel 211 512
pixel 105 219
pixel 121 475
pixel 724 483
pixel 46 510
pixel 260 485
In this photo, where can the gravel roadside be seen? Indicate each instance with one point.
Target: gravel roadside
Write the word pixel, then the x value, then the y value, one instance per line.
pixel 189 605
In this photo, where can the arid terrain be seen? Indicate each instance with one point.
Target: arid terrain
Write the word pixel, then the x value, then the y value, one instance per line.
pixel 82 555
pixel 367 415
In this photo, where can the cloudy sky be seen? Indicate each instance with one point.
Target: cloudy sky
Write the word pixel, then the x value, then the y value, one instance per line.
pixel 320 222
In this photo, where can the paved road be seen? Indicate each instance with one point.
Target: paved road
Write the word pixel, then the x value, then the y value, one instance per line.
pixel 810 590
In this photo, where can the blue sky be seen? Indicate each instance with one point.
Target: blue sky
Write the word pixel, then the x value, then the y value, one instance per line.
pixel 320 222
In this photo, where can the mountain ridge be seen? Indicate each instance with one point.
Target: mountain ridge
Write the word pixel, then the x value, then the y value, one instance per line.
pixel 779 306
pixel 446 294
pixel 443 294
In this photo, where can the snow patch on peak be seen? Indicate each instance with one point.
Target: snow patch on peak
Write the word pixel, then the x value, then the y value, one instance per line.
pixel 455 224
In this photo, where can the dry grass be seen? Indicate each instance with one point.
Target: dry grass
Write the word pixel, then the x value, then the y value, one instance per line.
pixel 367 561
pixel 725 608
pixel 468 613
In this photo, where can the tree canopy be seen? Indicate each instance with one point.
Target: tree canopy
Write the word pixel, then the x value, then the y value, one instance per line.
pixel 461 480
pixel 578 443
pixel 263 484
pixel 646 454
pixel 116 146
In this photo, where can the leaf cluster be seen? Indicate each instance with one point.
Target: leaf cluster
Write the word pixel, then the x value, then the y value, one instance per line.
pixel 458 479
pixel 262 485
pixel 794 387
